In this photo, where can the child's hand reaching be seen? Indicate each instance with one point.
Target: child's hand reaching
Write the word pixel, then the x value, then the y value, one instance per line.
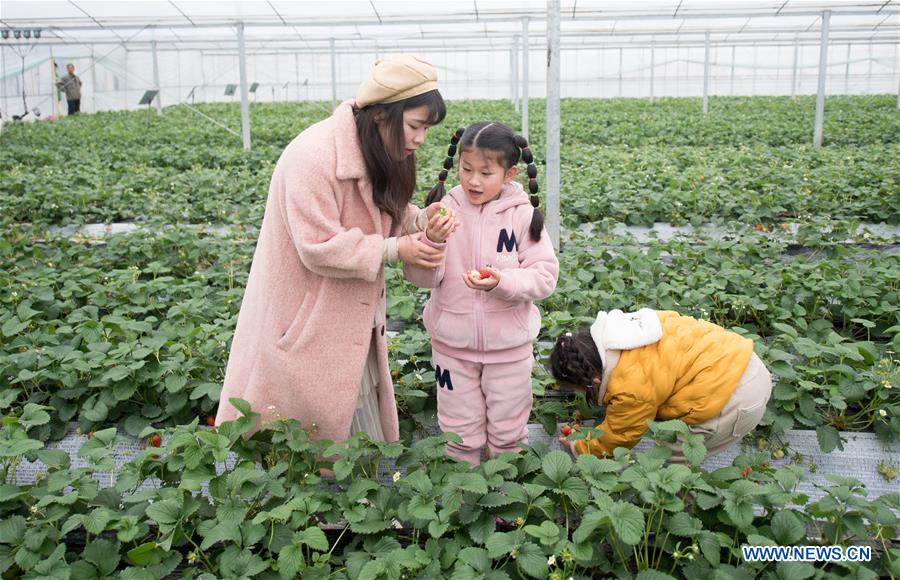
pixel 441 224
pixel 484 279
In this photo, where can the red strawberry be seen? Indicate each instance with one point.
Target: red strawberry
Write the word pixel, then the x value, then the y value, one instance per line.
pixel 566 430
pixel 155 440
pixel 210 420
pixel 484 273
pixel 746 471
pixel 702 178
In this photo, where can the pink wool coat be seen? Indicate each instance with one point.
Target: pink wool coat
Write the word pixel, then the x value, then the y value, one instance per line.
pixel 305 322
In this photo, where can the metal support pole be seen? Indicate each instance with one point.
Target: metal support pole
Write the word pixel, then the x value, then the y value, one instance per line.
pixel 733 47
pixel 125 84
pixel 706 74
pixel 823 71
pixel 755 63
pixel 245 103
pixel 652 68
pixel 333 78
pixel 677 71
pixel 898 95
pixel 620 72
pixel 202 77
pixel 297 72
pixel 178 71
pixel 156 79
pixel 847 72
pixel 869 72
pixel 553 122
pixel 93 80
pixel 54 92
pixel 525 77
pixel 514 71
pixel 796 63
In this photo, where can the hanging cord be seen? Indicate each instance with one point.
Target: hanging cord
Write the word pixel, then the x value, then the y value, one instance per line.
pixel 22 55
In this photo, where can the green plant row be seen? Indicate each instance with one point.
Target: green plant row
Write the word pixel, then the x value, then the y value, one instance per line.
pixel 537 514
pixel 631 160
pixel 137 331
pixel 753 184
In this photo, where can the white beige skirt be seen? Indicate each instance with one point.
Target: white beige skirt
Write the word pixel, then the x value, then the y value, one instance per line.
pixel 366 417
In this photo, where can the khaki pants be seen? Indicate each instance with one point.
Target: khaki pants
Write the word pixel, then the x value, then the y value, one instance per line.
pixel 743 411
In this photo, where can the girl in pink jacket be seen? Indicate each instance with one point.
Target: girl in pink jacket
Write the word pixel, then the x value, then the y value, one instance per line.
pixel 481 315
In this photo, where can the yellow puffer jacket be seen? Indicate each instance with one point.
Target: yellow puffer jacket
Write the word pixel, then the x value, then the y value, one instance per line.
pixel 689 374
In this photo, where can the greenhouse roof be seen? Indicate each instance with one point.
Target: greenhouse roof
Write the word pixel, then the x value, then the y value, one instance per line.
pixel 403 25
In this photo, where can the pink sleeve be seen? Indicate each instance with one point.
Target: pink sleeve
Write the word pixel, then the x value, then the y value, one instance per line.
pixel 312 216
pixel 538 271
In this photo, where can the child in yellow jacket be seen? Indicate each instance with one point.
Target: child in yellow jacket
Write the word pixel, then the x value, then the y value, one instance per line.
pixel 658 365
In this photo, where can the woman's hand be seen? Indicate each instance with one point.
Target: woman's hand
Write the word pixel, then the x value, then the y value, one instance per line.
pixel 417 253
pixel 441 225
pixel 482 282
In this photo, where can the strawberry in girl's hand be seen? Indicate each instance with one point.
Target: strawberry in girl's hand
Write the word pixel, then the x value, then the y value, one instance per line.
pixel 484 272
pixel 565 430
pixel 155 440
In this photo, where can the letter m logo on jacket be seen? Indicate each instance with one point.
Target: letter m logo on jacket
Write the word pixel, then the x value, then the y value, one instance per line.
pixel 443 378
pixel 507 242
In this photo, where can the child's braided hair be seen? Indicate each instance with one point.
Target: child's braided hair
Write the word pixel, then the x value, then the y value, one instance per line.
pixel 508 147
pixel 575 359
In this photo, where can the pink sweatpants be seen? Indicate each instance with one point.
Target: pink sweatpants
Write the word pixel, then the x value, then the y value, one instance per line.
pixel 484 403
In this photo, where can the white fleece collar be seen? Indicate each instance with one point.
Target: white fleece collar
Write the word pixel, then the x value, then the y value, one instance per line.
pixel 617 330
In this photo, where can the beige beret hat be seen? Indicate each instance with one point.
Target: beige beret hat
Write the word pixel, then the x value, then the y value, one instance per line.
pixel 396 78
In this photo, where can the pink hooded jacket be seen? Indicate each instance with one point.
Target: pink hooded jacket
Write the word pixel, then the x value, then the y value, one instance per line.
pixel 498 325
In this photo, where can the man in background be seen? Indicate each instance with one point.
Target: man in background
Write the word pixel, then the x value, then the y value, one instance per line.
pixel 71 84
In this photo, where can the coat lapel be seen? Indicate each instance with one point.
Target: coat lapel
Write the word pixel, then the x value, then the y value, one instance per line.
pixel 350 163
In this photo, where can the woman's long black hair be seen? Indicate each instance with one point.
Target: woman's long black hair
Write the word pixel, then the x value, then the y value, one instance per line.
pixel 393 182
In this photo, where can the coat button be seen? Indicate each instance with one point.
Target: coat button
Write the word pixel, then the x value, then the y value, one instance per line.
pixel 382 330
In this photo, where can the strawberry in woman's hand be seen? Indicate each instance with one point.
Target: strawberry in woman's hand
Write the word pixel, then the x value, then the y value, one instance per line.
pixel 565 430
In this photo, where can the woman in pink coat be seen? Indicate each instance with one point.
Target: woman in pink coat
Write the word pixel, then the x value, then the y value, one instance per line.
pixel 310 338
